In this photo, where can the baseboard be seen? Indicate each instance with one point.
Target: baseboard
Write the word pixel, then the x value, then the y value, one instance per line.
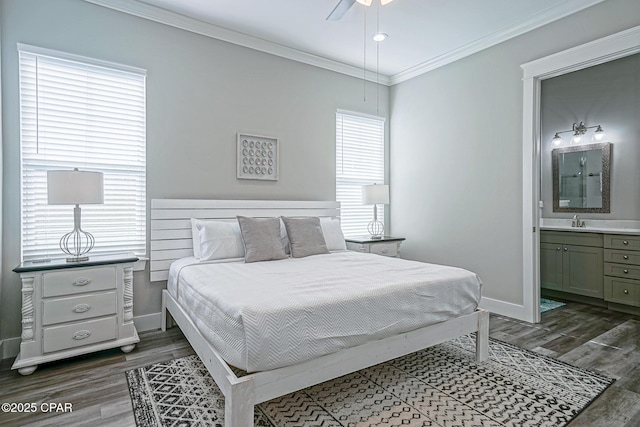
pixel 148 322
pixel 503 308
pixel 10 347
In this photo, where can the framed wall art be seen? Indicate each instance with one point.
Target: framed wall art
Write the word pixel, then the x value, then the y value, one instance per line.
pixel 257 157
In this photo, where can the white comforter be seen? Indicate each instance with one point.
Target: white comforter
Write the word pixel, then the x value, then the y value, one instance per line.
pixel 265 315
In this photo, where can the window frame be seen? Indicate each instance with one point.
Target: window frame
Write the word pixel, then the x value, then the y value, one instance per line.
pixel 127 164
pixel 348 185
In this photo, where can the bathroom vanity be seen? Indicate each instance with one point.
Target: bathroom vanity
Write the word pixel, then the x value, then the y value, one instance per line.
pixel 595 265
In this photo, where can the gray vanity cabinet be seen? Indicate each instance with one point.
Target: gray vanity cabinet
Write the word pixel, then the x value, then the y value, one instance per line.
pixel 551 266
pixel 622 269
pixel 572 262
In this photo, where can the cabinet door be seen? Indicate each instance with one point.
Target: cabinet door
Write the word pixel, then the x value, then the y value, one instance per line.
pixel 583 271
pixel 551 266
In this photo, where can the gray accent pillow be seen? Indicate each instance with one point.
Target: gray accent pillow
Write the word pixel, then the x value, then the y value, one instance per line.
pixel 261 239
pixel 305 236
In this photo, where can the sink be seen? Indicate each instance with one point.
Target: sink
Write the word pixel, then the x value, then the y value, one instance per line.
pixel 592 225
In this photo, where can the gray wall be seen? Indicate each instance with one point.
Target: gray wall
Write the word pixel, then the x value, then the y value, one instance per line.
pixel 608 95
pixel 200 92
pixel 456 151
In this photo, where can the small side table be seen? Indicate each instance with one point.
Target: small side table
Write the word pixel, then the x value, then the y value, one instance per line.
pixel 70 309
pixel 386 246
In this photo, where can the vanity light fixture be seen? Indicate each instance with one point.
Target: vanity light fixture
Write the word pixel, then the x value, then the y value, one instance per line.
pixel 578 130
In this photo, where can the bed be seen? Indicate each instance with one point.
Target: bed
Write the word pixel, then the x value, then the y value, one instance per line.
pixel 341 311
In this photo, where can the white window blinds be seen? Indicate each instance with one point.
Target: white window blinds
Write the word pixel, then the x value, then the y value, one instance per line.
pixel 359 161
pixel 77 112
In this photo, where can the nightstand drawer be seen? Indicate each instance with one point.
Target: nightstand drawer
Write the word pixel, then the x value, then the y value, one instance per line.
pixel 622 291
pixel 78 334
pixel 78 308
pixel 622 257
pixel 386 249
pixel 78 281
pixel 622 270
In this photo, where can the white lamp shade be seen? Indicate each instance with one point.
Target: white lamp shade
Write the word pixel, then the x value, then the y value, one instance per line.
pixel 74 187
pixel 375 194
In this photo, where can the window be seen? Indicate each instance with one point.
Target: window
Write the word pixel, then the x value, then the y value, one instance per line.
pixel 78 112
pixel 359 161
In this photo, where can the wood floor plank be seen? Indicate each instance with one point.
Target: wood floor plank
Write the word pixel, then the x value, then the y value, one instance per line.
pixel 591 337
pixel 614 408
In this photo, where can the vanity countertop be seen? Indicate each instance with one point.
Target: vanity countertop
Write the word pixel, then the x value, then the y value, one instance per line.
pixel 592 226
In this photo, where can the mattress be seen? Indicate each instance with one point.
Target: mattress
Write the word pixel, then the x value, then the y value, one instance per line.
pixel 265 315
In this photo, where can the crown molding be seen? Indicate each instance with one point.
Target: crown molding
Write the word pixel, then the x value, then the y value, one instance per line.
pixel 605 49
pixel 543 18
pixel 163 16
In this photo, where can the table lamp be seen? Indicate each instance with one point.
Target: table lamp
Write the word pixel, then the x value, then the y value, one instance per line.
pixel 374 195
pixel 74 187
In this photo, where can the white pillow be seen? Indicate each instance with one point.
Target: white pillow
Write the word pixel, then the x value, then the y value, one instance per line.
pixel 195 237
pixel 284 238
pixel 218 240
pixel 333 233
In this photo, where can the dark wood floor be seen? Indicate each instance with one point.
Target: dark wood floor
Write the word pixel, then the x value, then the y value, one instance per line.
pixel 591 337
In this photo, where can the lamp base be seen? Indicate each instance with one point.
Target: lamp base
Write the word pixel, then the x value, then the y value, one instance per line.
pixel 77 243
pixel 375 229
pixel 375 237
pixel 78 259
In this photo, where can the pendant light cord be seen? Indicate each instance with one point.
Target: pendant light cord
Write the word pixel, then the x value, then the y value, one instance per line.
pixel 364 60
pixel 377 60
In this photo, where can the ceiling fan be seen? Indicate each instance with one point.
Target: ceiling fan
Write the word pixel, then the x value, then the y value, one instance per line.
pixel 344 5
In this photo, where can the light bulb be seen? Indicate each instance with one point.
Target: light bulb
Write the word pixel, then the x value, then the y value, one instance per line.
pixel 557 140
pixel 576 139
pixel 599 134
pixel 365 2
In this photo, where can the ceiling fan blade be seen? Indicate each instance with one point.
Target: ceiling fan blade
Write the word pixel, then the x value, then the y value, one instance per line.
pixel 341 8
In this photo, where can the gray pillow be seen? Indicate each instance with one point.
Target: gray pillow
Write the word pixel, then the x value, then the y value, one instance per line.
pixel 305 236
pixel 261 238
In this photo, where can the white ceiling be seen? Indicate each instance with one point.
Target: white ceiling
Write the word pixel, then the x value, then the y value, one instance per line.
pixel 423 34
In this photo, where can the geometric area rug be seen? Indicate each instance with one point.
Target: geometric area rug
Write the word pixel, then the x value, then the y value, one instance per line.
pixel 437 386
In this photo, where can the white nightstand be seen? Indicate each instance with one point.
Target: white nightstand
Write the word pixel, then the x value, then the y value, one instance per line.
pixel 387 245
pixel 70 309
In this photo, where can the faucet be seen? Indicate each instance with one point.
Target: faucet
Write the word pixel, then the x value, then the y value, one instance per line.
pixel 577 222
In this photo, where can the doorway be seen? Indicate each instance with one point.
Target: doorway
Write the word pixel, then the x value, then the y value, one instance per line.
pixel 603 50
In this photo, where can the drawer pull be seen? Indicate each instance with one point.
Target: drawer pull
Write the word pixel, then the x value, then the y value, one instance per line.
pixel 80 335
pixel 81 308
pixel 626 291
pixel 558 248
pixel 566 249
pixel 625 242
pixel 625 271
pixel 625 256
pixel 385 251
pixel 81 281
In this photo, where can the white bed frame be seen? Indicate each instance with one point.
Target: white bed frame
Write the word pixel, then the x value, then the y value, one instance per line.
pixel 171 240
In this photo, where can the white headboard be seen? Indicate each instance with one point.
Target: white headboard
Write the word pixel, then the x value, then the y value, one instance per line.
pixel 171 222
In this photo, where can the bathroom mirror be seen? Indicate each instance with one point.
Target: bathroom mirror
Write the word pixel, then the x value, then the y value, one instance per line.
pixel 581 178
